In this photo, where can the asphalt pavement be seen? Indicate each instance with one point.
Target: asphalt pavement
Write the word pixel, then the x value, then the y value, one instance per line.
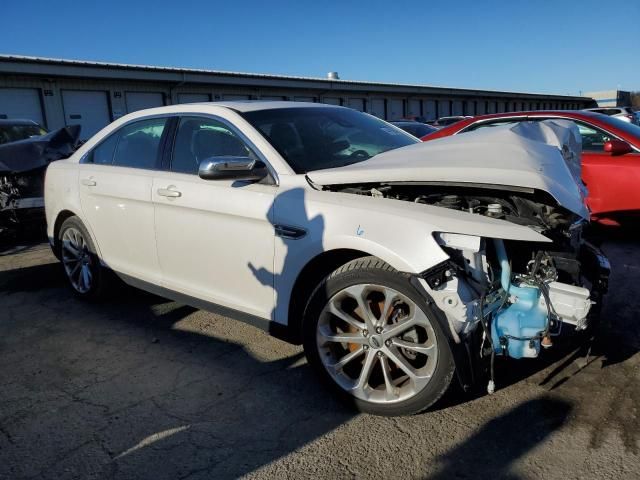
pixel 140 387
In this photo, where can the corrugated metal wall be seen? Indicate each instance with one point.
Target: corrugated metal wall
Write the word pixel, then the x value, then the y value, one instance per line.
pixel 124 96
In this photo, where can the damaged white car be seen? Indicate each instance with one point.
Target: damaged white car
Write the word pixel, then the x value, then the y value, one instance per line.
pixel 399 265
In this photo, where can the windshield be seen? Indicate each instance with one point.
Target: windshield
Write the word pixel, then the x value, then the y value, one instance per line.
pixel 13 133
pixel 315 138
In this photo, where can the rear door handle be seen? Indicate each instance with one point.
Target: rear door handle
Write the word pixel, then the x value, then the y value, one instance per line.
pixel 170 191
pixel 89 182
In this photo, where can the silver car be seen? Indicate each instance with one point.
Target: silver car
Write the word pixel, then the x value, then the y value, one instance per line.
pixel 625 114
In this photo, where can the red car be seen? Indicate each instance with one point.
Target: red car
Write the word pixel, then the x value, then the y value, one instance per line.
pixel 610 157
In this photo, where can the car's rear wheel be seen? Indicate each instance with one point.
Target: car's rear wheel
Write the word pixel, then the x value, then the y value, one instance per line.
pixel 376 340
pixel 79 260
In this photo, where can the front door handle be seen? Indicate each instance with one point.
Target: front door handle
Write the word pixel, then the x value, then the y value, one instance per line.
pixel 170 191
pixel 89 182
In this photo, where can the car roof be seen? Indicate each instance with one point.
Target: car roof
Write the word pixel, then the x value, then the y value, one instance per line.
pixel 17 121
pixel 405 122
pixel 585 114
pixel 254 105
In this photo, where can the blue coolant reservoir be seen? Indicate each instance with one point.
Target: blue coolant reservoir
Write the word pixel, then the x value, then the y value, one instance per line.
pixel 524 318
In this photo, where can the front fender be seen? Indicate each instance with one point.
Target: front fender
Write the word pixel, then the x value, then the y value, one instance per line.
pixel 398 232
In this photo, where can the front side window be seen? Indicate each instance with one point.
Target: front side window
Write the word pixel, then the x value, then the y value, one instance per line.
pixel 200 138
pixel 139 144
pixel 314 138
pixel 103 153
pixel 593 139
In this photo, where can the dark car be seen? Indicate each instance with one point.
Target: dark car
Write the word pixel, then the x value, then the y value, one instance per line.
pixel 13 130
pixel 417 129
pixel 26 149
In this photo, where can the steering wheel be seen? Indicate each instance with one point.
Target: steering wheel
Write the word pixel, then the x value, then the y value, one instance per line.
pixel 360 155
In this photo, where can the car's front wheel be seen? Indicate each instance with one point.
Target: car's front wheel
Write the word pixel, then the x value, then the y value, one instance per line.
pixel 374 338
pixel 79 260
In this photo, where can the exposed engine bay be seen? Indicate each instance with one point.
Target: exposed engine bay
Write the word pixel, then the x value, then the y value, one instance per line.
pixel 22 169
pixel 515 296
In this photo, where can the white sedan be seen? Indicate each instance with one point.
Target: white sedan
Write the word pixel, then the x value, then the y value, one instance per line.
pixel 399 265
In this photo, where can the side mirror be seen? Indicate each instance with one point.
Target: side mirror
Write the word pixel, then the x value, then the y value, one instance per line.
pixel 617 147
pixel 236 168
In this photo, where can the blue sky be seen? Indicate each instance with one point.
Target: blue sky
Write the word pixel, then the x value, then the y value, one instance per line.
pixel 561 46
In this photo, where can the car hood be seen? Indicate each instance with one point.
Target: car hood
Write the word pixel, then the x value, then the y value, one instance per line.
pixel 542 156
pixel 37 152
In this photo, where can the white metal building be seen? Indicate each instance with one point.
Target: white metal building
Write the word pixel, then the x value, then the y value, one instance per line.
pixel 57 92
pixel 611 98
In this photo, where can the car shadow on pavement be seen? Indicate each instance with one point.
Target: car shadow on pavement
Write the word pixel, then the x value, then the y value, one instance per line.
pixel 497 445
pixel 142 387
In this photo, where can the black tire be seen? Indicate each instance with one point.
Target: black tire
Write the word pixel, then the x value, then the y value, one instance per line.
pixel 99 280
pixel 371 270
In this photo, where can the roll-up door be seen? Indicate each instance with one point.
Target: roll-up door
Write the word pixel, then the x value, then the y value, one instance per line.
pixel 87 108
pixel 22 103
pixel 141 100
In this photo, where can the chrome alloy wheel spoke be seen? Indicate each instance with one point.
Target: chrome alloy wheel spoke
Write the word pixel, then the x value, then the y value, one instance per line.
pixel 382 357
pixel 76 260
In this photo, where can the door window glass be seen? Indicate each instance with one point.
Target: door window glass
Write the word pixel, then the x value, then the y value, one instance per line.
pixel 139 144
pixel 200 138
pixel 103 153
pixel 593 139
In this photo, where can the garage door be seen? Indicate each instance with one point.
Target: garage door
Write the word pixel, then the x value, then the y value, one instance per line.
pixel 457 107
pixel 331 100
pixel 430 109
pixel 273 97
pixel 141 100
pixel 89 109
pixel 413 108
pixel 21 103
pixel 443 108
pixel 236 97
pixel 395 110
pixel 357 104
pixel 304 99
pixel 377 108
pixel 193 97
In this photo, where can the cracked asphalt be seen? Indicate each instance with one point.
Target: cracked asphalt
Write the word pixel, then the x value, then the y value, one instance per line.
pixel 140 387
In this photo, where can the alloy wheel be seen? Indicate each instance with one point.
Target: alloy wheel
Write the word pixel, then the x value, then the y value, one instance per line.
pixel 376 343
pixel 77 260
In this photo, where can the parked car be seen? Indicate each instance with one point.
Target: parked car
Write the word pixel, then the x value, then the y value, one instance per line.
pixel 445 121
pixel 12 130
pixel 417 129
pixel 23 161
pixel 626 114
pixel 610 157
pixel 399 265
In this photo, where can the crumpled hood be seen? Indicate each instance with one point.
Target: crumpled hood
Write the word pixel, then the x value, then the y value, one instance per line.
pixel 37 152
pixel 538 155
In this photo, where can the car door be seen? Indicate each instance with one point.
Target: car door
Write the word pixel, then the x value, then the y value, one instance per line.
pixel 214 238
pixel 612 180
pixel 115 194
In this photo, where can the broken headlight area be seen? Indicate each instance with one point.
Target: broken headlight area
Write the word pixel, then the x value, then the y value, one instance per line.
pixel 516 295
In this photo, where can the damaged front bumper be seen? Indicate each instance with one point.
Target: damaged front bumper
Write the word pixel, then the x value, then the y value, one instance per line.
pixel 514 315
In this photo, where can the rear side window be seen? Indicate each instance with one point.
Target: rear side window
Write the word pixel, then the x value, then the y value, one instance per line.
pixel 139 144
pixel 200 138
